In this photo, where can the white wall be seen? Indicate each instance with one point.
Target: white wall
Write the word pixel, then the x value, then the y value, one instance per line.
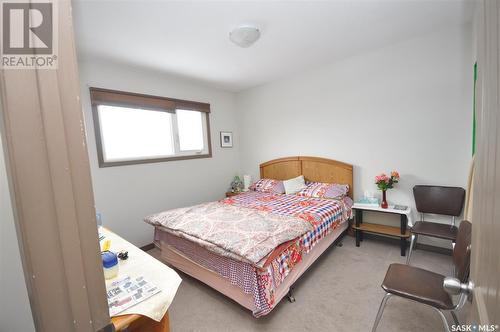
pixel 15 310
pixel 124 195
pixel 406 107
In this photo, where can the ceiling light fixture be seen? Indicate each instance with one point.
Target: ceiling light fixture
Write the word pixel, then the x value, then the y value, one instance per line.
pixel 244 35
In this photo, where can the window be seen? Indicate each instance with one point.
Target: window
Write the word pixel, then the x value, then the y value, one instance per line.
pixel 133 128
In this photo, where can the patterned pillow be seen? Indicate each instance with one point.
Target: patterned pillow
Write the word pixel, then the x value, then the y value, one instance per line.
pixel 324 190
pixel 268 186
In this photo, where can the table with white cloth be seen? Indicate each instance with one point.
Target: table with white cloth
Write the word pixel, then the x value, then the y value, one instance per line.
pixel 152 311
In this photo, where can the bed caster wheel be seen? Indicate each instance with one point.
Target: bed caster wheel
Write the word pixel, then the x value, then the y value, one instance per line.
pixel 340 244
pixel 290 296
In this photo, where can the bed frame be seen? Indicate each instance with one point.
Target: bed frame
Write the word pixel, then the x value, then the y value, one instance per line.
pixel 313 169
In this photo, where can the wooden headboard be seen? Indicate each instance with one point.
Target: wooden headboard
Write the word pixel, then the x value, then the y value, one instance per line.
pixel 313 169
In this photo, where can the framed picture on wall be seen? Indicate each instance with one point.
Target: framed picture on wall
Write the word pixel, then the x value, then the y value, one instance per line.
pixel 226 139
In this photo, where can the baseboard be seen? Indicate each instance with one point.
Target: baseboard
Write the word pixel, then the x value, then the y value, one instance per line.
pixel 147 247
pixel 427 247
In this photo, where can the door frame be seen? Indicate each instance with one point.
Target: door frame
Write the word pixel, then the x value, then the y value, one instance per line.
pixel 486 194
pixel 51 189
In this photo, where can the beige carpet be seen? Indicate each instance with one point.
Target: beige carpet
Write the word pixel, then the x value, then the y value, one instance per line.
pixel 340 292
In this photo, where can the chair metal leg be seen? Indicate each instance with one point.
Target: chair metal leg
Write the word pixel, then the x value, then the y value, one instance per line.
pixel 455 318
pixel 445 322
pixel 380 311
pixel 412 244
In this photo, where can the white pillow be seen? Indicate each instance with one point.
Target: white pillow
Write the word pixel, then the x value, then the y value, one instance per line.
pixel 294 185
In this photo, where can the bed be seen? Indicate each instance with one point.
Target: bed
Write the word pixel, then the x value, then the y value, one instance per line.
pixel 253 275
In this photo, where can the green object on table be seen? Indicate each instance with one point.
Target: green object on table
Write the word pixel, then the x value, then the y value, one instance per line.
pixel 236 185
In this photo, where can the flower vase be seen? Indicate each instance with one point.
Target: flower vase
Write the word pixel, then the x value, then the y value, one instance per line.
pixel 384 204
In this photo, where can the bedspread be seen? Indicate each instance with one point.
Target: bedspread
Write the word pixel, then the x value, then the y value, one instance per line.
pixel 247 233
pixel 262 280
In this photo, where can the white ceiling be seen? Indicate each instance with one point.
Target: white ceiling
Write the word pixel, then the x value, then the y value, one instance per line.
pixel 190 39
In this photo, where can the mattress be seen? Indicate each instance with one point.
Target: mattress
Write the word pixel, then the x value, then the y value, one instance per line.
pixel 263 281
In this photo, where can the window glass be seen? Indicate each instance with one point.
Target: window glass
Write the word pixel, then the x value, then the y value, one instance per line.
pixel 130 133
pixel 190 127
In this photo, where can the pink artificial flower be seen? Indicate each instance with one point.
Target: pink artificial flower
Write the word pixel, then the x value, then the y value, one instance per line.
pixel 385 178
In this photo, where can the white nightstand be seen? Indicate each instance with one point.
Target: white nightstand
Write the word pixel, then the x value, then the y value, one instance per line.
pixel 400 232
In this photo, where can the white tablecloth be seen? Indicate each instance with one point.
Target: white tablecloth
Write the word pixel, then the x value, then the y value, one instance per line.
pixel 140 263
pixel 390 209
